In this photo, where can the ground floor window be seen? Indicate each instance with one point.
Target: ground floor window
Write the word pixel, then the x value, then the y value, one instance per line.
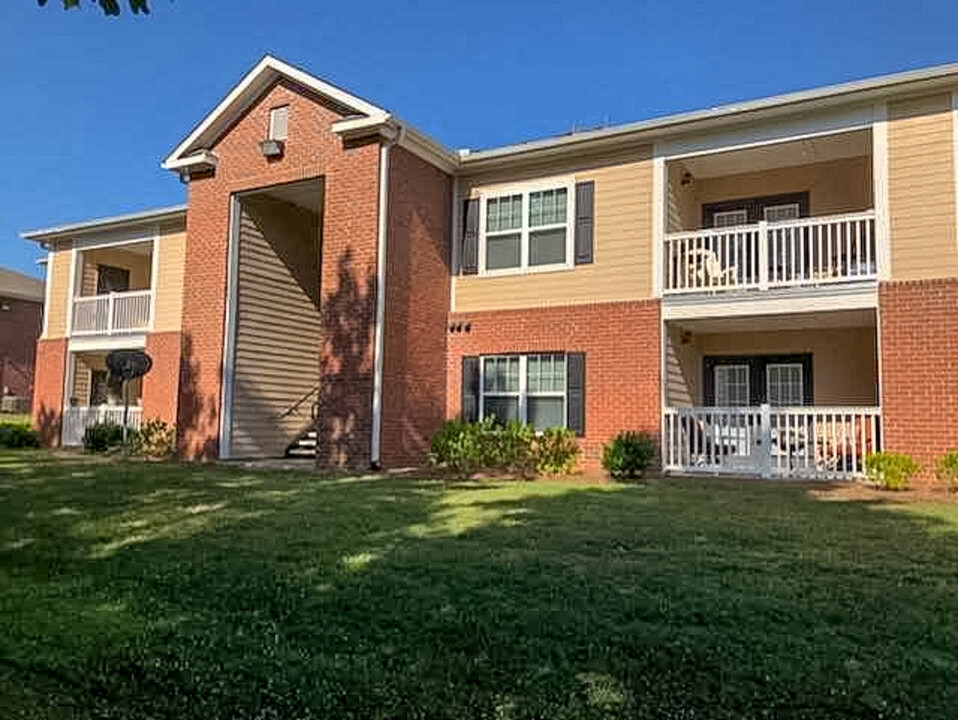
pixel 752 380
pixel 529 388
pixel 542 389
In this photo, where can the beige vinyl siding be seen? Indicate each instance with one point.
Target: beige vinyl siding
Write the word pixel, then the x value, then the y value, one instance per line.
pixel 58 276
pixel 170 267
pixel 622 267
pixel 834 187
pixel 278 326
pixel 844 364
pixel 921 189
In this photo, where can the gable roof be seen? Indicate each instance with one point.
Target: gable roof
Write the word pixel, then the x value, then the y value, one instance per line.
pixel 194 150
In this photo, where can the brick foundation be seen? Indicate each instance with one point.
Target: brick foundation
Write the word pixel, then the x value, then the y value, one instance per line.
pixel 621 342
pixel 919 354
pixel 48 389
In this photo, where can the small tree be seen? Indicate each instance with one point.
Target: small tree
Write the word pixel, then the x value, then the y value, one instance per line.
pixel 109 7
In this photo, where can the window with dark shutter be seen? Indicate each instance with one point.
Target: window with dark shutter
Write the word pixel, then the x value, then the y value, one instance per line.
pixel 470 389
pixel 575 393
pixel 469 249
pixel 584 212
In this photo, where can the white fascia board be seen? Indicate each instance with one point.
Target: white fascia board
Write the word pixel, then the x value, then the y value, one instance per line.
pixel 202 159
pixel 240 97
pixel 851 296
pixel 701 120
pixel 100 224
pixel 389 127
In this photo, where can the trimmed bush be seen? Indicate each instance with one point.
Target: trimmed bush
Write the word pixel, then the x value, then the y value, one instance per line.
pixel 465 448
pixel 155 440
pixel 892 471
pixel 556 452
pixel 629 455
pixel 946 469
pixel 18 436
pixel 103 437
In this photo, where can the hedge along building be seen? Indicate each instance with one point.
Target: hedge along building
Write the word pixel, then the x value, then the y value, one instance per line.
pixel 741 281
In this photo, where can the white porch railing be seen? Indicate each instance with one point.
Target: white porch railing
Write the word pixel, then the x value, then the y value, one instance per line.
pixel 77 419
pixel 790 442
pixel 808 251
pixel 116 312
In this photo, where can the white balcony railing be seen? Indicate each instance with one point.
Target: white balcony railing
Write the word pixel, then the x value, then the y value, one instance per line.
pixel 808 251
pixel 116 312
pixel 791 442
pixel 77 419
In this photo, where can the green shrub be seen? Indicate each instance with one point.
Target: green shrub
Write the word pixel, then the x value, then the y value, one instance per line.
pixel 103 437
pixel 892 471
pixel 457 448
pixel 155 439
pixel 629 454
pixel 465 448
pixel 556 452
pixel 18 436
pixel 946 469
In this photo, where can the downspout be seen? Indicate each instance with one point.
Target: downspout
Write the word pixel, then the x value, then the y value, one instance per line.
pixel 375 450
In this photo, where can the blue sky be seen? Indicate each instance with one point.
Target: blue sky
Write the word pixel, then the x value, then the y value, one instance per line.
pixel 92 104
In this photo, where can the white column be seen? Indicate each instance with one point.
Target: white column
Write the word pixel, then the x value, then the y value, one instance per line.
pixel 880 175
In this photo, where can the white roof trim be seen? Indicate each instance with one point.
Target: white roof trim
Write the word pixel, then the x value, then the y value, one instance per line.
pixel 241 97
pixel 137 218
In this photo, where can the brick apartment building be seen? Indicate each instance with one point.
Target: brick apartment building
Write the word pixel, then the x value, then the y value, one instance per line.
pixel 770 287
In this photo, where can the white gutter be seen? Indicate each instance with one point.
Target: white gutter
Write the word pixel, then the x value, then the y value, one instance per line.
pixel 375 449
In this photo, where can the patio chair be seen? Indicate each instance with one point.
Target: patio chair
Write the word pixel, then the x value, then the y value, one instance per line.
pixel 705 269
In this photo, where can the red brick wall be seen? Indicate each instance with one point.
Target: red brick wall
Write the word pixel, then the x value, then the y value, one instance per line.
pixel 417 303
pixel 161 384
pixel 20 327
pixel 48 389
pixel 919 354
pixel 347 277
pixel 621 344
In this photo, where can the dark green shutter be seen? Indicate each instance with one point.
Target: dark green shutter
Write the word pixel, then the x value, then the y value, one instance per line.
pixel 575 392
pixel 584 212
pixel 469 255
pixel 470 389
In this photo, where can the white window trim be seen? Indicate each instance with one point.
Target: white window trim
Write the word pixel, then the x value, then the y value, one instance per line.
pixel 524 189
pixel 272 119
pixel 793 206
pixel 730 213
pixel 801 382
pixel 748 382
pixel 522 393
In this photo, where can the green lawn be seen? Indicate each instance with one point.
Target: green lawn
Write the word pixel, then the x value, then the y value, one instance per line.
pixel 149 591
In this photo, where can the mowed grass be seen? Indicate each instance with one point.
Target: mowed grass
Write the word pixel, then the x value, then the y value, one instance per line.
pixel 155 591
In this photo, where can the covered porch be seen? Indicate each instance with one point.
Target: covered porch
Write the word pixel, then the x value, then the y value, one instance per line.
pixel 95 396
pixel 792 396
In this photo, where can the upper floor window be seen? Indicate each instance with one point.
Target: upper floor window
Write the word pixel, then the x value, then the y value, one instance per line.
pixel 279 123
pixel 527 229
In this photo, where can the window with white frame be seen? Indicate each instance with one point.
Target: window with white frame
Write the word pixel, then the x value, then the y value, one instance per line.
pixel 732 385
pixel 527 229
pixel 785 384
pixel 529 388
pixel 779 213
pixel 279 123
pixel 730 218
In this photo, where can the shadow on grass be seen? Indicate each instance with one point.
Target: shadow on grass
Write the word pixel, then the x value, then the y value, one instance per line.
pixel 135 590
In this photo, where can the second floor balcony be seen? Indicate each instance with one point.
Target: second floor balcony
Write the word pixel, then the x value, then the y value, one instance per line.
pixel 797 213
pixel 113 290
pixel 112 313
pixel 763 255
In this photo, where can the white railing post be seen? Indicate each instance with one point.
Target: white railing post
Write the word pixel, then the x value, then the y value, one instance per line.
pixel 763 255
pixel 110 310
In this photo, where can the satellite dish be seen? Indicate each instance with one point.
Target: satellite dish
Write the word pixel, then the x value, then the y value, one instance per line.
pixel 129 364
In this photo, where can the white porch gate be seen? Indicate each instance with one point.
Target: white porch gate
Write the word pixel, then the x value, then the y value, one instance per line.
pixel 826 443
pixel 77 419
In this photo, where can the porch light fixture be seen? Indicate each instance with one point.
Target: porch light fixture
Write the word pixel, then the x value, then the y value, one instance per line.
pixel 272 148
